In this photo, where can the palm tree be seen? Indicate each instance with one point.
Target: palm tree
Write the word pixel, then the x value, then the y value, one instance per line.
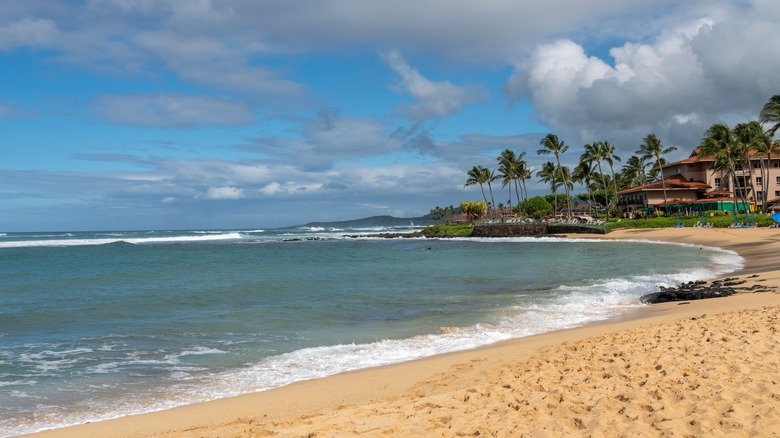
pixel 594 153
pixel 478 175
pixel 754 139
pixel 635 171
pixel 551 145
pixel 610 157
pixel 564 174
pixel 720 142
pixel 508 164
pixel 651 148
pixel 549 174
pixel 583 174
pixel 490 176
pixel 770 114
pixel 524 174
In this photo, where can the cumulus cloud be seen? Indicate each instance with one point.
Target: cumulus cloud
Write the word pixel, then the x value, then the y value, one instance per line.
pixel 271 188
pixel 173 110
pixel 223 193
pixel 432 99
pixel 713 69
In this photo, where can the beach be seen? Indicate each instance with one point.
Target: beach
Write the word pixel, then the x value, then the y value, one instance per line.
pixel 699 368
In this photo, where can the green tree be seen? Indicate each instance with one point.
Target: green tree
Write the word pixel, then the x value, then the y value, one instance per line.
pixel 549 174
pixel 584 174
pixel 608 151
pixel 490 177
pixel 524 174
pixel 442 215
pixel 756 141
pixel 720 142
pixel 594 153
pixel 536 207
pixel 509 169
pixel 474 210
pixel 652 149
pixel 478 175
pixel 770 115
pixel 634 172
pixel 552 145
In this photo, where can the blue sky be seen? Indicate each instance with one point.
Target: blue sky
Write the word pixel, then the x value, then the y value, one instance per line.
pixel 192 114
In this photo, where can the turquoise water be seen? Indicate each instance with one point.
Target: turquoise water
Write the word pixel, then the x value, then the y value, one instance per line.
pixel 100 325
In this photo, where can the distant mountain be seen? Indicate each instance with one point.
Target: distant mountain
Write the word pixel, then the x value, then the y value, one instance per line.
pixel 374 221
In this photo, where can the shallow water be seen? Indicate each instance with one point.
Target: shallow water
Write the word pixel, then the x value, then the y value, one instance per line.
pixel 99 325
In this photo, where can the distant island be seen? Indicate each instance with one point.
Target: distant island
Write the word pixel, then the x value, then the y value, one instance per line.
pixel 373 221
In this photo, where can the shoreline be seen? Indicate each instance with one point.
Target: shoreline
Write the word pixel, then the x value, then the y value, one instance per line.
pixel 439 394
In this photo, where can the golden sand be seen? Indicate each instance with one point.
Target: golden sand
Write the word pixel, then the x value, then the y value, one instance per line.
pixel 704 368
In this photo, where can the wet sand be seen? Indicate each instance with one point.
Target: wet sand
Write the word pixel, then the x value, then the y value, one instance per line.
pixel 700 368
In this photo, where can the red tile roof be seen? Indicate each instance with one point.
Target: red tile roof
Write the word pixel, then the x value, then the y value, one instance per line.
pixel 675 182
pixel 716 193
pixel 695 157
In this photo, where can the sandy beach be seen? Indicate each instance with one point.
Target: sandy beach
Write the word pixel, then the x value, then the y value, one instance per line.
pixel 699 368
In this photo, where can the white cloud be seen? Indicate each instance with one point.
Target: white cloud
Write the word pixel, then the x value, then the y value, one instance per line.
pixel 223 193
pixel 327 139
pixel 433 99
pixel 28 32
pixel 700 72
pixel 212 61
pixel 271 188
pixel 173 110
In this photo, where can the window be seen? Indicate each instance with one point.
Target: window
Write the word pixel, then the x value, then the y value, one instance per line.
pixel 777 193
pixel 778 180
pixel 759 180
pixel 757 165
pixel 759 196
pixel 738 167
pixel 717 181
pixel 776 164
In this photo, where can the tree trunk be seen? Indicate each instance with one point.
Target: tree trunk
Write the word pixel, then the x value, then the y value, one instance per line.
pixel 492 200
pixel 663 182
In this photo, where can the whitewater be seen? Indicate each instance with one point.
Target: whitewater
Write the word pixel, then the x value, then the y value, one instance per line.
pixel 105 324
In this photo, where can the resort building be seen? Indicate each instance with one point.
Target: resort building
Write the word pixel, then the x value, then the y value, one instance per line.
pixel 693 184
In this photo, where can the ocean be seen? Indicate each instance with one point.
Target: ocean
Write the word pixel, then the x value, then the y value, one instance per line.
pixel 98 325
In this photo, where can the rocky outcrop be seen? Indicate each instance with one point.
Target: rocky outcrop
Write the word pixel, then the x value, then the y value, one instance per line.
pixel 575 229
pixel 699 290
pixel 693 290
pixel 510 230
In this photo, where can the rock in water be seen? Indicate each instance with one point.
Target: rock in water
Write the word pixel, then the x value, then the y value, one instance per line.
pixel 698 290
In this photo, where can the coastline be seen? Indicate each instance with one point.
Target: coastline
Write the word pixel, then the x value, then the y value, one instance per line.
pixel 510 388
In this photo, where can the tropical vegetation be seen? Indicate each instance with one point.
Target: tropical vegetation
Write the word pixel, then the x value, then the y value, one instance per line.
pixel 733 148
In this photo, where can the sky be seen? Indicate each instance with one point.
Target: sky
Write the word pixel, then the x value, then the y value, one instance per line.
pixel 207 114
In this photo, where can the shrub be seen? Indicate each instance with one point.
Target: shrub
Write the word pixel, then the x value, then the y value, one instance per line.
pixel 537 207
pixel 473 209
pixel 448 230
pixel 687 221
